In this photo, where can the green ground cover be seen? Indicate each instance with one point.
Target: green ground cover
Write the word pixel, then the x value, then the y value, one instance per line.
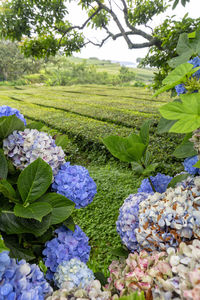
pixel 86 114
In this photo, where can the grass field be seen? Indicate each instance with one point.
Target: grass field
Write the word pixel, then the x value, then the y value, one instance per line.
pixel 87 114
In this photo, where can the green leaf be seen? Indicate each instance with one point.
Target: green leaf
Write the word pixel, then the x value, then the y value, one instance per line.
pixel 144 132
pixel 35 125
pixel 120 251
pixel 151 168
pixel 62 141
pixel 177 179
pixel 197 165
pixel 164 125
pixel 186 112
pixel 34 180
pixel 69 223
pixel 186 148
pixel 35 211
pixel 8 125
pixel 137 168
pixel 7 190
pixel 16 251
pixel 177 76
pixel 3 165
pixel 62 207
pixel 126 149
pixel 2 245
pixel 100 276
pixel 11 224
pixel 134 296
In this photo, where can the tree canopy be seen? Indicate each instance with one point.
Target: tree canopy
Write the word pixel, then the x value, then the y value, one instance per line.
pixel 43 27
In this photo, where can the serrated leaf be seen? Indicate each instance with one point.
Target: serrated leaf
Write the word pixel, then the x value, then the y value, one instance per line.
pixel 186 148
pixel 69 223
pixel 126 149
pixel 35 125
pixel 7 190
pixel 151 168
pixel 3 165
pixel 187 113
pixel 197 165
pixel 178 74
pixel 137 168
pixel 11 224
pixel 34 180
pixel 2 245
pixel 120 251
pixel 62 141
pixel 177 179
pixel 8 125
pixel 164 125
pixel 62 207
pixel 144 132
pixel 35 210
pixel 18 252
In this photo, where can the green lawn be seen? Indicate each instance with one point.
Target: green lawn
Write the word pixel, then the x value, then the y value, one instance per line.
pixel 86 114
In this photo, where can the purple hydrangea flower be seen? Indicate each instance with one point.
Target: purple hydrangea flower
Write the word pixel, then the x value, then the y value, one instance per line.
pixel 23 147
pixel 23 281
pixel 6 111
pixel 75 183
pixel 128 220
pixel 73 273
pixel 65 246
pixel 160 183
pixel 180 89
pixel 189 163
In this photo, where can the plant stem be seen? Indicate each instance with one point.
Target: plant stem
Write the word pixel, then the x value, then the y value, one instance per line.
pixel 151 183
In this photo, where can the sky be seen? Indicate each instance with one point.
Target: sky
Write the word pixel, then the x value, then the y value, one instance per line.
pixel 118 50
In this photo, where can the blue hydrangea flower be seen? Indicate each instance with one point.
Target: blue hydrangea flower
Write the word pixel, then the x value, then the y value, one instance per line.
pixel 65 246
pixel 160 183
pixel 75 183
pixel 180 89
pixel 23 147
pixel 6 111
pixel 196 62
pixel 189 163
pixel 128 220
pixel 23 281
pixel 74 273
pixel 4 262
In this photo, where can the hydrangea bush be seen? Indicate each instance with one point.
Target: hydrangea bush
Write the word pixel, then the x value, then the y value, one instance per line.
pixel 24 147
pixel 75 183
pixel 21 280
pixel 65 246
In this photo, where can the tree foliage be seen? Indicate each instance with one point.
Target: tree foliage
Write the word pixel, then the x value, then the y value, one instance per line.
pixel 44 27
pixel 13 64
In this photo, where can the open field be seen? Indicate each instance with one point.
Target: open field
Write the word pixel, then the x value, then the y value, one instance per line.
pixel 86 114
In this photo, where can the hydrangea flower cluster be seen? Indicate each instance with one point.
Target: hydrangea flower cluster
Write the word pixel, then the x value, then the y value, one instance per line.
pixel 180 88
pixel 128 220
pixel 23 147
pixel 91 292
pixel 189 163
pixel 165 220
pixel 73 273
pixel 185 280
pixel 64 247
pixel 75 183
pixel 22 281
pixel 4 262
pixel 160 183
pixel 6 111
pixel 137 272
